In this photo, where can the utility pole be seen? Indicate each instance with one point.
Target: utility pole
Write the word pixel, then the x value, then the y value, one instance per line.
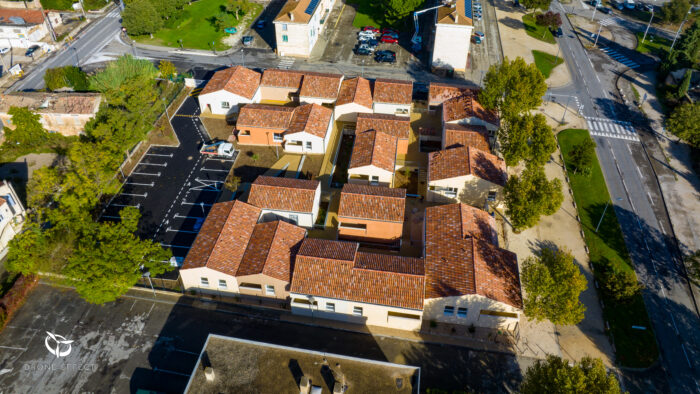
pixel 598 35
pixel 595 8
pixel 82 8
pixel 680 27
pixel 649 24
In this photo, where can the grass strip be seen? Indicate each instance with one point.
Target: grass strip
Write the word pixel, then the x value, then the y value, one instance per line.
pixel 659 46
pixel 546 62
pixel 534 30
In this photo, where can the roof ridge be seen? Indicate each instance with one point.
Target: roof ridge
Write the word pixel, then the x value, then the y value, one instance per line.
pixel 269 248
pixel 218 237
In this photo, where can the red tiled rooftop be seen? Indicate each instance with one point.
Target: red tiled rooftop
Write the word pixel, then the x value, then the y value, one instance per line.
pixel 466 135
pixel 398 126
pixel 283 194
pixel 271 250
pixel 372 202
pixel 393 91
pixel 320 85
pixel 466 106
pixel 276 78
pixel 311 118
pixel 374 148
pixel 265 116
pixel 463 161
pixel 355 90
pixel 238 80
pixel 439 92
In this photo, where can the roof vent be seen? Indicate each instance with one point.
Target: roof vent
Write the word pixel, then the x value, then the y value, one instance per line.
pixel 304 385
pixel 17 20
pixel 209 374
pixel 45 104
pixel 291 16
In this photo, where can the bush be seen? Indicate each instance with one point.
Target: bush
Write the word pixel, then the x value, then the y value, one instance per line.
pixel 621 285
pixel 15 297
pixel 66 77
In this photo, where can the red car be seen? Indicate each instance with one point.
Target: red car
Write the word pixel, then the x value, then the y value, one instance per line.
pixel 371 28
pixel 388 30
pixel 389 39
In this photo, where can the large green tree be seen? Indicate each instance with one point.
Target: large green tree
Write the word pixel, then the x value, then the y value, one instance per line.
pixel 27 131
pixel 527 137
pixel 109 259
pixel 556 376
pixel 685 52
pixel 675 10
pixel 513 87
pixel 141 17
pixel 530 195
pixel 536 4
pixel 396 10
pixel 553 283
pixel 582 155
pixel 684 122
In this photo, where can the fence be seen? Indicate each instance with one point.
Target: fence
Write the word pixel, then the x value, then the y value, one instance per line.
pixel 160 284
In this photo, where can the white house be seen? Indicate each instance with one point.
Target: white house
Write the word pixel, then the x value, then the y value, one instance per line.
pixel 23 28
pixel 310 130
pixel 464 109
pixel 355 97
pixel 299 25
pixel 453 32
pixel 320 88
pixel 333 280
pixel 393 97
pixel 12 215
pixel 289 199
pixel 373 159
pixel 228 89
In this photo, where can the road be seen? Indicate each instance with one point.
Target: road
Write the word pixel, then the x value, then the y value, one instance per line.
pixel 640 210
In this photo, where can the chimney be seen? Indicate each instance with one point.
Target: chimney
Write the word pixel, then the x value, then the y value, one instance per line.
pixel 291 17
pixel 209 374
pixel 304 385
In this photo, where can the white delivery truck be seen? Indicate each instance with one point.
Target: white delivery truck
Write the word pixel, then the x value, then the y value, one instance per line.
pixel 220 149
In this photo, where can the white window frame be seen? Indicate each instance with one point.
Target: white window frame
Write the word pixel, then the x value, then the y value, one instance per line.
pixel 462 312
pixel 277 137
pixel 448 310
pixel 269 290
pixel 204 281
pixel 225 105
pixel 330 307
pixel 222 284
pixel 374 180
pixel 357 311
pixel 284 27
pixel 309 145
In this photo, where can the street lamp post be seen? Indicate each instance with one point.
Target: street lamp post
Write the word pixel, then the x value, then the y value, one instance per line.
pixel 594 10
pixel 649 24
pixel 680 27
pixel 603 215
pixel 75 52
pixel 147 274
pixel 598 35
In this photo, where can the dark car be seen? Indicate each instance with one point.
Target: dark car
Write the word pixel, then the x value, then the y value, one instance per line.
pixel 388 30
pixel 391 34
pixel 371 42
pixel 260 24
pixel 370 28
pixel 605 10
pixel 362 51
pixel 247 40
pixel 557 33
pixel 385 52
pixel 31 50
pixel 385 59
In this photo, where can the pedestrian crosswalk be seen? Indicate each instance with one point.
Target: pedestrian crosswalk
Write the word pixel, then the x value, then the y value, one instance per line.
pixel 602 127
pixel 113 14
pixel 619 57
pixel 285 63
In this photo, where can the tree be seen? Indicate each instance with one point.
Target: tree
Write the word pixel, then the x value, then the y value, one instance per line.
pixel 27 250
pixel 223 20
pixel 528 138
pixel 513 87
pixel 167 69
pixel 685 83
pixel 549 19
pixel 684 122
pixel 232 183
pixel 685 53
pixel 675 10
pixel 238 7
pixel 54 78
pixel 536 4
pixel 67 76
pixel 692 261
pixel 109 259
pixel 553 283
pixel 621 285
pixel 555 375
pixel 141 17
pixel 165 8
pixel 27 130
pixel 581 155
pixel 396 10
pixel 530 196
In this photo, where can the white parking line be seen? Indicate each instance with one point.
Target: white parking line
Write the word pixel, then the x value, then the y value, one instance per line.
pixel 213 169
pixel 140 184
pixel 217 158
pixel 112 217
pixel 196 203
pixel 135 195
pixel 154 164
pixel 207 181
pixel 178 216
pixel 180 231
pixel 146 173
pixel 175 246
pixel 158 154
pixel 125 205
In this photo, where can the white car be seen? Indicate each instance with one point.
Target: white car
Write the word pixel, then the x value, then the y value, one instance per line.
pixel 4 50
pixel 366 35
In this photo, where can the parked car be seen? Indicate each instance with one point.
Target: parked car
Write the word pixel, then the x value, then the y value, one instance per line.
pixel 247 40
pixel 4 50
pixel 387 30
pixel 480 34
pixel 385 52
pixel 362 51
pixel 385 58
pixel 476 39
pixel 366 35
pixel 370 28
pixel 477 17
pixel 260 24
pixel 389 39
pixel 557 33
pixel 366 47
pixel 391 34
pixel 648 7
pixel 30 51
pixel 476 7
pixel 605 10
pixel 371 42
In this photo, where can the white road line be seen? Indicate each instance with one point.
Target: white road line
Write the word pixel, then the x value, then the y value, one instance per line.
pixel 154 164
pixel 135 195
pixel 146 173
pixel 180 231
pixel 196 203
pixel 112 217
pixel 126 205
pixel 140 184
pixel 214 170
pixel 175 246
pixel 159 154
pixel 178 216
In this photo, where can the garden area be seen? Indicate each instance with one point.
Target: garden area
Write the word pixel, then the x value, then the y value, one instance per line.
pixel 384 13
pixel 540 32
pixel 68 4
pixel 659 46
pixel 546 62
pixel 608 254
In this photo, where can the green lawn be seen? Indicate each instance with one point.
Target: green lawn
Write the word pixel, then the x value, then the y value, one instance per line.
pixel 68 4
pixel 370 13
pixel 534 30
pixel 635 348
pixel 546 62
pixel 653 44
pixel 195 27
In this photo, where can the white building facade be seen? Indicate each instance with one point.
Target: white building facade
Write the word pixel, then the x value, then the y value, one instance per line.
pixel 453 32
pixel 299 25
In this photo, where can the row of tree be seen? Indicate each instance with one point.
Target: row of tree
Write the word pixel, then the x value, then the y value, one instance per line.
pixel 101 259
pixel 148 16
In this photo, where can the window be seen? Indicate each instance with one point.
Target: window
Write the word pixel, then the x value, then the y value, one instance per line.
pixel 1 218
pixel 204 281
pixel 374 180
pixel 285 38
pixel 225 105
pixel 303 301
pixel 353 226
pixel 277 137
pixel 308 145
pixel 449 310
pixel 450 191
pixel 357 311
pixel 250 286
pixel 270 290
pixel 330 307
pixel 222 284
pixel 294 219
pixel 492 196
pixel 284 28
pixel 462 312
pixel 403 315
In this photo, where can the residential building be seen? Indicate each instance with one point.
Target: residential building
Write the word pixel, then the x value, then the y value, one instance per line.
pixel 463 108
pixel 393 97
pixel 455 135
pixel 453 33
pixel 22 28
pixel 303 129
pixel 397 126
pixel 228 89
pixel 64 113
pixel 333 280
pixel 320 88
pixel 280 86
pixel 355 97
pixel 373 159
pixel 299 25
pixel 371 213
pixel 234 365
pixel 466 174
pixel 293 200
pixel 233 254
pixel 469 280
pixel 12 215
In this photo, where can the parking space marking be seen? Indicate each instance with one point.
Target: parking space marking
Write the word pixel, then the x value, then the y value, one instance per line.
pixel 214 169
pixel 112 217
pixel 217 158
pixel 125 205
pixel 180 231
pixel 135 195
pixel 140 184
pixel 159 154
pixel 170 208
pixel 175 246
pixel 146 173
pixel 196 203
pixel 154 164
pixel 178 216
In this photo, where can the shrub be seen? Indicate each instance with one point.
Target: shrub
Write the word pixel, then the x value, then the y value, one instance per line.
pixel 68 76
pixel 15 297
pixel 621 285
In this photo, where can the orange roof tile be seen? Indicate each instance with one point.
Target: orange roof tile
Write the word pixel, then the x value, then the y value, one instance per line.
pixel 53 102
pixel 31 17
pixel 320 85
pixel 271 249
pixel 277 78
pixel 238 80
pixel 358 276
pixel 283 194
pixel 464 160
pixel 439 92
pixel 454 16
pixel 294 11
pixel 311 118
pixel 398 126
pixel 465 107
pixel 265 116
pixel 374 148
pixel 393 91
pixel 466 135
pixel 372 202
pixel 355 90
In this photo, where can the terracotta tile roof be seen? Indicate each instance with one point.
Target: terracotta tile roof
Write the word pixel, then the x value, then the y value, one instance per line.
pixel 466 135
pixel 238 80
pixel 265 116
pixel 462 161
pixel 398 126
pixel 355 90
pixel 311 118
pixel 222 240
pixel 439 92
pixel 466 106
pixel 271 250
pixel 328 249
pixel 456 263
pixel 283 194
pixel 372 202
pixel 393 91
pixel 374 148
pixel 276 78
pixel 476 222
pixel 454 16
pixel 294 11
pixel 53 103
pixel 362 277
pixel 31 17
pixel 320 85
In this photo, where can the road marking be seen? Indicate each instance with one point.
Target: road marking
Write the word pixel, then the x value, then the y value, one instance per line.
pixel 126 205
pixel 171 230
pixel 175 246
pixel 154 164
pixel 178 216
pixel 140 184
pixel 111 217
pixel 216 158
pixel 651 200
pixel 159 154
pixel 13 348
pixel 145 173
pixel 196 203
pixel 214 170
pixel 135 195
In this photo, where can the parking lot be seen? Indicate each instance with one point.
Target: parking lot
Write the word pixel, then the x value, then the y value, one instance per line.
pixel 174 188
